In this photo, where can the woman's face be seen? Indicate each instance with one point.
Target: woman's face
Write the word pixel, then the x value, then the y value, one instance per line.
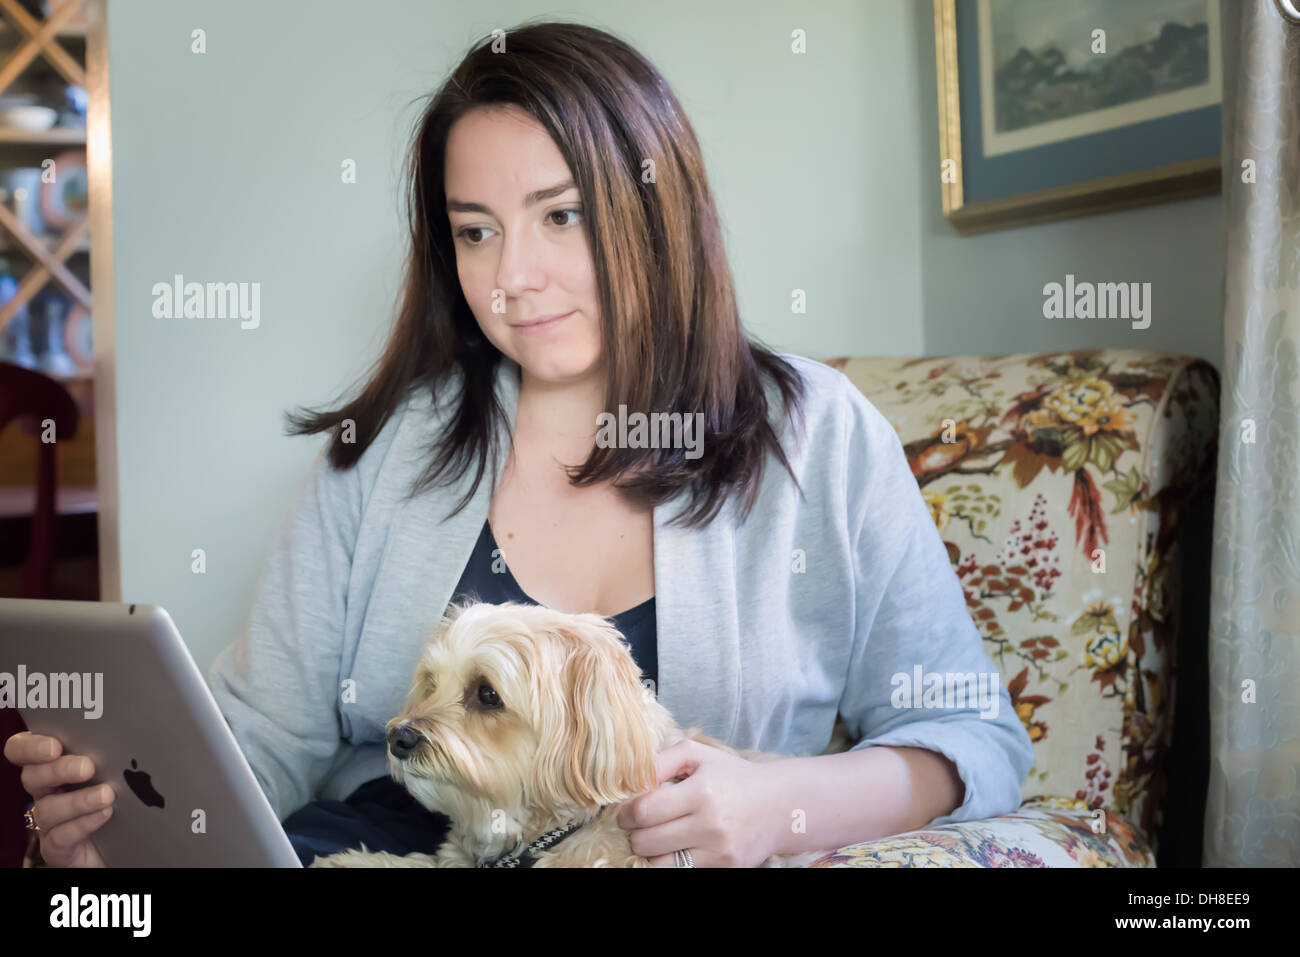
pixel 521 250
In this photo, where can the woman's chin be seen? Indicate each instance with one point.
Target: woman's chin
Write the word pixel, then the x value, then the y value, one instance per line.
pixel 559 362
pixel 542 365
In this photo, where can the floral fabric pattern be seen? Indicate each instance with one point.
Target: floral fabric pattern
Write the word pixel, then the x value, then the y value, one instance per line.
pixel 1057 482
pixel 1045 832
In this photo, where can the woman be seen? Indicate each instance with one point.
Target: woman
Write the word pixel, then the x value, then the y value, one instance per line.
pixel 567 261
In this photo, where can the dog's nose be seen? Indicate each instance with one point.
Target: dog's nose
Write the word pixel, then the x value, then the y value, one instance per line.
pixel 402 741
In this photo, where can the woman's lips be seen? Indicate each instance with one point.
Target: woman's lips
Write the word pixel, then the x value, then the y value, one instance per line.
pixel 542 325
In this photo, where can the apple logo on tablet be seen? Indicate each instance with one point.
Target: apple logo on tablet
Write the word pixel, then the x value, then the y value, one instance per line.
pixel 142 787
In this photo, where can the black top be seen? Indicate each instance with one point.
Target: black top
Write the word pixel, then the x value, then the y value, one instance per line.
pixel 479 582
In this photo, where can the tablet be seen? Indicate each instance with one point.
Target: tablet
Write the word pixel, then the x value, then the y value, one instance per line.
pixel 116 683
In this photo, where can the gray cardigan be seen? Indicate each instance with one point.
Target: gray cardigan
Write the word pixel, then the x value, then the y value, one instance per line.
pixel 844 600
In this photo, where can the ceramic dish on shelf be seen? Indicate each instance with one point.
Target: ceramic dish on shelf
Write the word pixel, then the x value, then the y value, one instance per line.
pixel 27 179
pixel 28 117
pixel 78 339
pixel 67 199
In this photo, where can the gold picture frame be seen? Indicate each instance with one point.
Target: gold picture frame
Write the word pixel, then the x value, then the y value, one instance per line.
pixel 1159 184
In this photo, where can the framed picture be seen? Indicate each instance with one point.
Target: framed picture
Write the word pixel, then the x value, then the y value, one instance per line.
pixel 1050 109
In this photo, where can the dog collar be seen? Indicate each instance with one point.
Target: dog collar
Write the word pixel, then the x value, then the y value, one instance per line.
pixel 526 857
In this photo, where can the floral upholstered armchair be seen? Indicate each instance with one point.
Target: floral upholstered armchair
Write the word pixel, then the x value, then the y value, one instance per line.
pixel 1057 482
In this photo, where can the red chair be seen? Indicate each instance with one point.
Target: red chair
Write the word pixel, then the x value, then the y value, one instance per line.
pixel 31 398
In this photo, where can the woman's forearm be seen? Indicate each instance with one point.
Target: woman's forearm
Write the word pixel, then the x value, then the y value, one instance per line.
pixel 831 800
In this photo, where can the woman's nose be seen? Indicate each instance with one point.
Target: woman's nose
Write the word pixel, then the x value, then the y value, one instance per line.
pixel 520 268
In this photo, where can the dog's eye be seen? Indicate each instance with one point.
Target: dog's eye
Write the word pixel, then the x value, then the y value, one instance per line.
pixel 488 697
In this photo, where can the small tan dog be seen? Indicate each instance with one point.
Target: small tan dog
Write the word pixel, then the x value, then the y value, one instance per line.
pixel 529 728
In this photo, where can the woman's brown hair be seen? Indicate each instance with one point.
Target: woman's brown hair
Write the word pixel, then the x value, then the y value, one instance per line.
pixel 670 325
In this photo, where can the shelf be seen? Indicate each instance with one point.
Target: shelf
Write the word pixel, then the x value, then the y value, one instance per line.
pixel 74 31
pixel 55 137
pixel 7 247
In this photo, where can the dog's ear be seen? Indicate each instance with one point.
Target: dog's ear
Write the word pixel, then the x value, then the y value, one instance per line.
pixel 606 744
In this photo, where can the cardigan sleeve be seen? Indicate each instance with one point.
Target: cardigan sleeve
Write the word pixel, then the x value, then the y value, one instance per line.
pixel 910 622
pixel 278 683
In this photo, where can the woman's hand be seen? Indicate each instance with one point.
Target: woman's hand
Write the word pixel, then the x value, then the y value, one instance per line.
pixel 66 819
pixel 722 812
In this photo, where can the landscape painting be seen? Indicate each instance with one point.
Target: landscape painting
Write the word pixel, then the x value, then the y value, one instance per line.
pixel 1052 70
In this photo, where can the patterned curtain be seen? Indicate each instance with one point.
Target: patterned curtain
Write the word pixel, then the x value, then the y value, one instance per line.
pixel 1253 807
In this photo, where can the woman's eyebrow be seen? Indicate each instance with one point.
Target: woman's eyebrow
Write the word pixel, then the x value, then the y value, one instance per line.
pixel 532 199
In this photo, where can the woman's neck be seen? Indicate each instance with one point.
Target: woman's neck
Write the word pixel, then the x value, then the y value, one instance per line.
pixel 559 418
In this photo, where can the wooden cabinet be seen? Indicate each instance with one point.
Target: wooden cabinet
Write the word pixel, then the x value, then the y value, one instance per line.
pixel 45 238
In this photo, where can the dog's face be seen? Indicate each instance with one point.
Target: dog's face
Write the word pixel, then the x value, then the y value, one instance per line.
pixel 520 706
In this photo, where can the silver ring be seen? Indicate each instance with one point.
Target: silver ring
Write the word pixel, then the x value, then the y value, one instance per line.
pixel 684 858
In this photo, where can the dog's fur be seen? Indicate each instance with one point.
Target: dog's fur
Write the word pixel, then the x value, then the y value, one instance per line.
pixel 570 736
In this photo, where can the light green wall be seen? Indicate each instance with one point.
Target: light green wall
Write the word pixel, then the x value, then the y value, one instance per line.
pixel 226 168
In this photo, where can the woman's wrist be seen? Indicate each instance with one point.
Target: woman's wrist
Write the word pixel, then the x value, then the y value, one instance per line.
pixel 858 795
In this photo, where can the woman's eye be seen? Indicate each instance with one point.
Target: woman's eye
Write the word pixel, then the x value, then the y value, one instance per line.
pixel 561 212
pixel 487 697
pixel 471 229
pixel 463 234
